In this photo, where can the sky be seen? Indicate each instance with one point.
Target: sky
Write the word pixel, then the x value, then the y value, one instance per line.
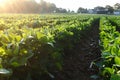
pixel 89 4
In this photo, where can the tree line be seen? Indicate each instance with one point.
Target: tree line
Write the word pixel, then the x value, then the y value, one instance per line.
pixel 108 8
pixel 31 6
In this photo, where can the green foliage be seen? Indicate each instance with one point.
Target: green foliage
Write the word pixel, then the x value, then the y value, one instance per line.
pixel 32 45
pixel 115 77
pixel 110 42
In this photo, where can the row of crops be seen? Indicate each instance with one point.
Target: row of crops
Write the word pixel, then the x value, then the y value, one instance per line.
pixel 110 47
pixel 32 45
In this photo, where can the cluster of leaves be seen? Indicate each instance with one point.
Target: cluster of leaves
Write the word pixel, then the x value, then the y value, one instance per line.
pixel 68 35
pixel 27 48
pixel 35 21
pixel 26 53
pixel 110 43
pixel 115 21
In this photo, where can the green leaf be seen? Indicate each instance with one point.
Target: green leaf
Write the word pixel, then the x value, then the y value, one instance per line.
pixel 5 39
pixel 18 38
pixel 15 64
pixel 115 77
pixel 114 50
pixel 43 39
pixel 118 52
pixel 117 60
pixel 16 50
pixel 2 51
pixel 108 70
pixel 95 77
pixel 59 65
pixel 39 35
pixel 51 44
pixel 5 72
pixel 16 61
pixel 106 55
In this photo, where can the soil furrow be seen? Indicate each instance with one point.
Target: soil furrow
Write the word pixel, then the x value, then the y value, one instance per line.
pixel 77 63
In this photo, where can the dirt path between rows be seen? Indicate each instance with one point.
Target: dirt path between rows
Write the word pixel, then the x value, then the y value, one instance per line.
pixel 77 63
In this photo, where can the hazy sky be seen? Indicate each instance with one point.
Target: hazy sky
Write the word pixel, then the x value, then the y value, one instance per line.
pixel 74 4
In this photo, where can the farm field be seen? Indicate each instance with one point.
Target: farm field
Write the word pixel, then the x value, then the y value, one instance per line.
pixel 59 47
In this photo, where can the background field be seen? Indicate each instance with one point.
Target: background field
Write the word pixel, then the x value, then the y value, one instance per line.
pixel 59 47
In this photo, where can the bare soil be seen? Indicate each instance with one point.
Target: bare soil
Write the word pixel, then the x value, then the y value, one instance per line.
pixel 77 63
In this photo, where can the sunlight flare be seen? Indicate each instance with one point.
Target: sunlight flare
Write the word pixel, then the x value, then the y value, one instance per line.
pixel 1 1
pixel 38 1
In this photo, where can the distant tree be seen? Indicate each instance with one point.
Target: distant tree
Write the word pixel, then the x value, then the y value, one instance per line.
pixel 30 6
pixel 117 6
pixel 109 8
pixel 72 11
pixel 68 11
pixel 99 8
pixel 43 7
pixel 23 6
pixel 61 10
pixel 52 7
pixel 81 10
pixel 46 7
pixel 64 11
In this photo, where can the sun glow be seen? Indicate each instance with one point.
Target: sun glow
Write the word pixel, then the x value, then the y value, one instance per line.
pixel 2 2
pixel 38 1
